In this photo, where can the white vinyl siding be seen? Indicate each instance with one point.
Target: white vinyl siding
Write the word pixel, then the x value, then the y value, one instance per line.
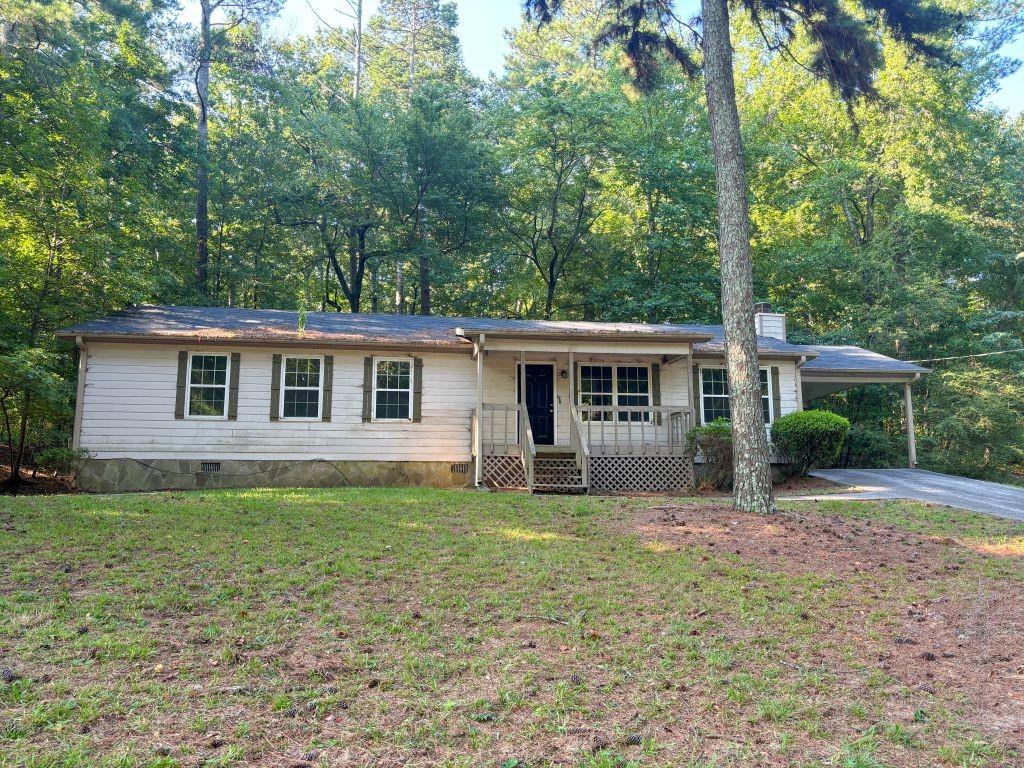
pixel 128 411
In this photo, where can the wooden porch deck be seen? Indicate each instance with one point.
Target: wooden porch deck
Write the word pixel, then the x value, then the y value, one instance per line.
pixel 610 448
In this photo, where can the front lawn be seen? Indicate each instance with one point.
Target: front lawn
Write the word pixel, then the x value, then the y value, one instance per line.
pixel 395 627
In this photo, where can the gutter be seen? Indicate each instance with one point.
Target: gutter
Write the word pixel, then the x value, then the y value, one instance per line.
pixel 457 345
pixel 583 336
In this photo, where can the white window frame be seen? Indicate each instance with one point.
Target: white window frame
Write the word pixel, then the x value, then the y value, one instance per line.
pixel 320 388
pixel 412 387
pixel 768 378
pixel 189 387
pixel 615 389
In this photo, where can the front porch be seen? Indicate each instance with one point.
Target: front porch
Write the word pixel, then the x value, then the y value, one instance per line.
pixel 575 422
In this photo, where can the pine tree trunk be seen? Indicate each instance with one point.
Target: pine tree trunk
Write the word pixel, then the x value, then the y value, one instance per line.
pixel 752 483
pixel 202 153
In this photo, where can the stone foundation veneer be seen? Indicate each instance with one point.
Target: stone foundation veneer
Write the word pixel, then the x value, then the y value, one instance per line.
pixel 121 475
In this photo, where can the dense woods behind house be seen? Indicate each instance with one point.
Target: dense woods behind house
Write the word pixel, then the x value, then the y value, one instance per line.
pixel 370 171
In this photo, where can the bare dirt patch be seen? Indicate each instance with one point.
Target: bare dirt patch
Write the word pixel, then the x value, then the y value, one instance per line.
pixel 953 631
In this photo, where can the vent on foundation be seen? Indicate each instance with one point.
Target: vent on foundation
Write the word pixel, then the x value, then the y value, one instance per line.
pixel 209 467
pixel 460 469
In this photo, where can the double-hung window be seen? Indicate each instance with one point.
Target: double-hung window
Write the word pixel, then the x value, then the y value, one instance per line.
pixel 392 390
pixel 633 388
pixel 714 394
pixel 302 387
pixel 207 395
pixel 615 385
pixel 597 387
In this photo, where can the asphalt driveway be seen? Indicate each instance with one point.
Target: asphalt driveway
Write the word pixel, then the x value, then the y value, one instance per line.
pixel 919 484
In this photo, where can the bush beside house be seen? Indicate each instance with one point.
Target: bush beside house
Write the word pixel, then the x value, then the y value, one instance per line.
pixel 713 443
pixel 809 440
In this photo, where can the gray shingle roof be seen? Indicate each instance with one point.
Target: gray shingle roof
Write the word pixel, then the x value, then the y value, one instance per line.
pixel 275 325
pixel 227 323
pixel 765 345
pixel 855 360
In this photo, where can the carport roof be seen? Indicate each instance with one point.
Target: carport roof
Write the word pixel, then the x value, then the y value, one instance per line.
pixel 832 360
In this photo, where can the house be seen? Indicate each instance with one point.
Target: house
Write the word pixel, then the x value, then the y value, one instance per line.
pixel 183 397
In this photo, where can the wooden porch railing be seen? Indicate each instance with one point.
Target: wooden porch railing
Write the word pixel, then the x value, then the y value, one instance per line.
pixel 499 425
pixel 634 430
pixel 580 445
pixel 527 447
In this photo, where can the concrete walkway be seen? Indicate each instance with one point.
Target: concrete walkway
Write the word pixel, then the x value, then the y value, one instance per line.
pixel 920 485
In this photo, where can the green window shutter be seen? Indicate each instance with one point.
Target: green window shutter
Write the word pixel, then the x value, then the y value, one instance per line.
pixel 656 388
pixel 179 399
pixel 367 388
pixel 776 393
pixel 698 403
pixel 417 389
pixel 275 388
pixel 328 386
pixel 236 361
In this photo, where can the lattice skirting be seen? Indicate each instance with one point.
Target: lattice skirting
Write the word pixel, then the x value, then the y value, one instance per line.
pixel 641 473
pixel 504 472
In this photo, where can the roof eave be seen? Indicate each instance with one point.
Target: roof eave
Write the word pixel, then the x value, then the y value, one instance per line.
pixel 455 344
pixel 811 372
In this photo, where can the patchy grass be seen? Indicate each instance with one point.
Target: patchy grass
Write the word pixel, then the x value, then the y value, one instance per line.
pixel 396 627
pixel 984 534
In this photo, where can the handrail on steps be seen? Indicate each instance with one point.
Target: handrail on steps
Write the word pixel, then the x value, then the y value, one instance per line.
pixel 580 445
pixel 527 447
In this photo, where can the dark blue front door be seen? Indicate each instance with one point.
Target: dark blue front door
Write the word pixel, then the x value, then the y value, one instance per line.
pixel 540 402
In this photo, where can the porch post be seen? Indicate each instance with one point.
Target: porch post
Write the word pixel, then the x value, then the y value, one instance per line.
pixel 689 385
pixel 572 379
pixel 800 384
pixel 478 449
pixel 522 379
pixel 521 401
pixel 908 405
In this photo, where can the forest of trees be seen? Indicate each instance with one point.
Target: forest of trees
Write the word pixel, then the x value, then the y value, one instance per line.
pixel 365 169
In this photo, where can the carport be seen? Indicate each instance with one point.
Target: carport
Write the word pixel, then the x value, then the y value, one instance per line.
pixel 839 368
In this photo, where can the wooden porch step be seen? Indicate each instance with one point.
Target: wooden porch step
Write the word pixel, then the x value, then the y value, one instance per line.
pixel 558 464
pixel 559 488
pixel 543 455
pixel 560 479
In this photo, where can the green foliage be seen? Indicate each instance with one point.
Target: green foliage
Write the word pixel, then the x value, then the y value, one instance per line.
pixel 62 461
pixel 809 439
pixel 713 443
pixel 30 393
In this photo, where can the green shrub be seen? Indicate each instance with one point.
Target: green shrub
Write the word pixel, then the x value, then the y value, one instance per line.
pixel 809 440
pixel 714 443
pixel 61 461
pixel 867 446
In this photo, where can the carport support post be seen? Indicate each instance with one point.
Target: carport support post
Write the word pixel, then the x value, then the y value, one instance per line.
pixel 908 405
pixel 478 447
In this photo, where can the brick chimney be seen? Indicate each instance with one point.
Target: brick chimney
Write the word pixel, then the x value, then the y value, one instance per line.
pixel 768 323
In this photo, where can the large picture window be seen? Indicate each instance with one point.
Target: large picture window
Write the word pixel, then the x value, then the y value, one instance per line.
pixel 301 387
pixel 392 390
pixel 615 385
pixel 207 386
pixel 714 395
